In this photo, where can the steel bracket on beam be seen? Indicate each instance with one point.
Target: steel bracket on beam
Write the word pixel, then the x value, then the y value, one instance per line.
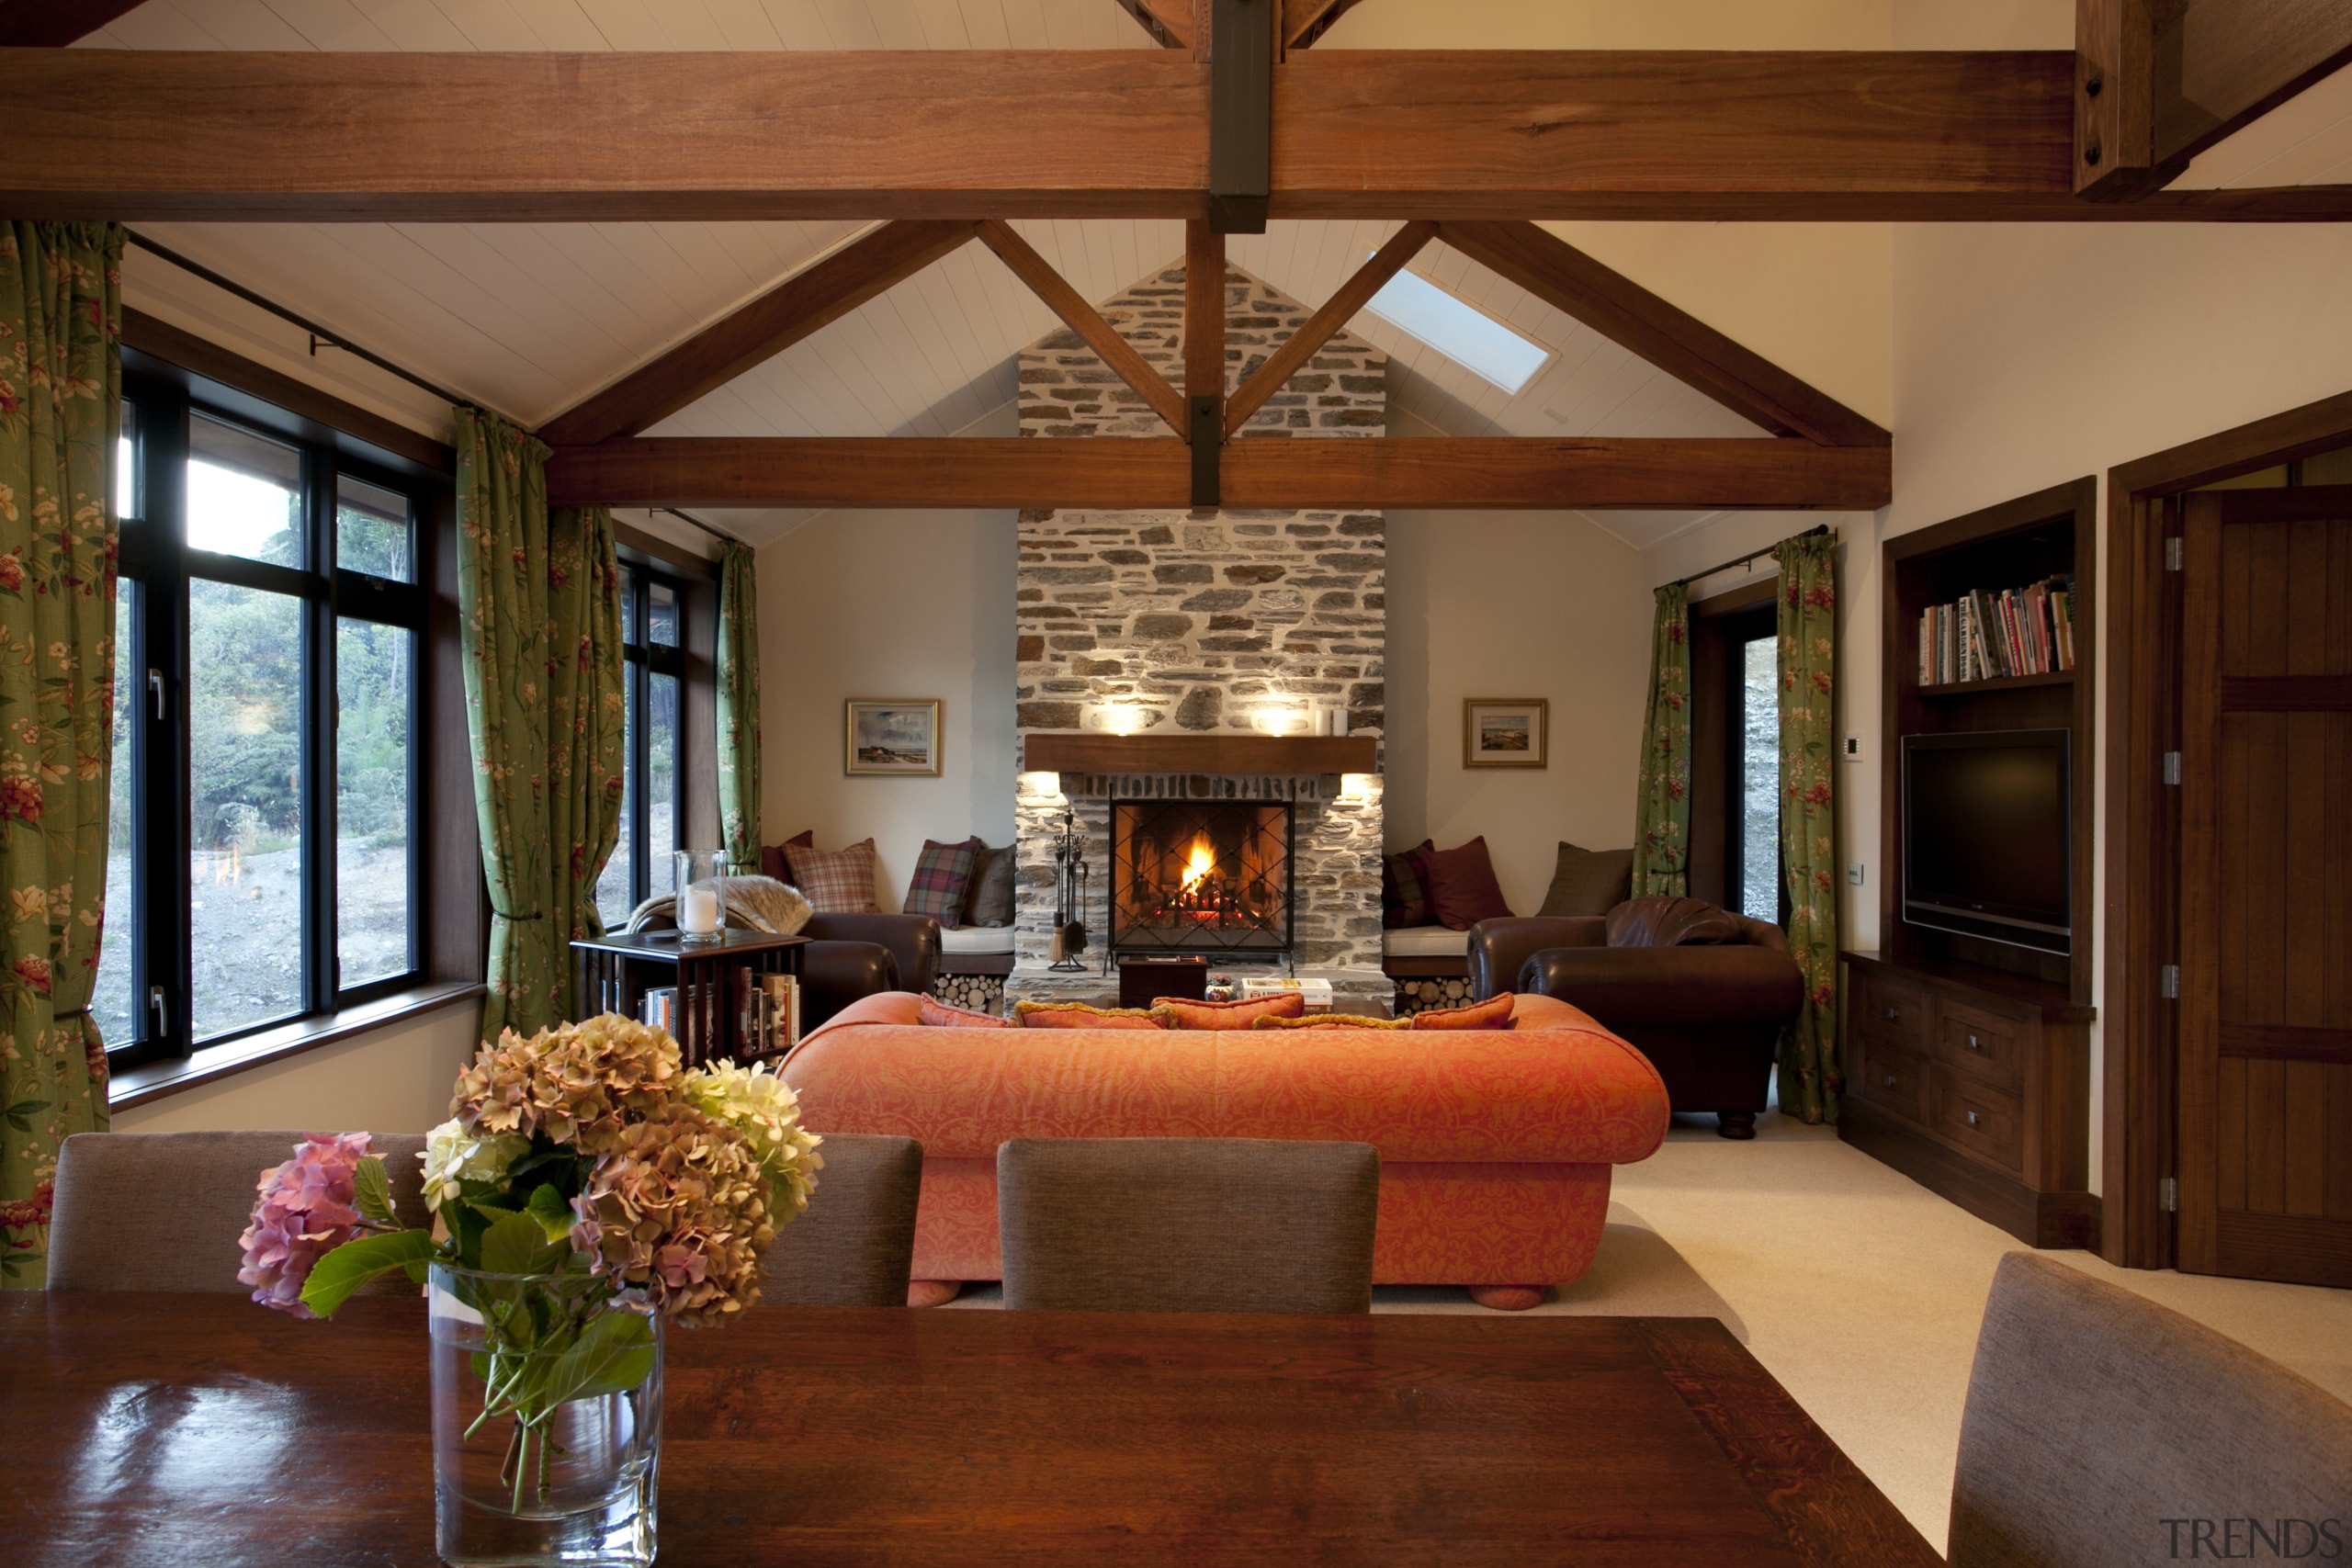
pixel 1208 444
pixel 1241 115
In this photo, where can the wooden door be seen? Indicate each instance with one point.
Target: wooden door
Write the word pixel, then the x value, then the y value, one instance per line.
pixel 2266 991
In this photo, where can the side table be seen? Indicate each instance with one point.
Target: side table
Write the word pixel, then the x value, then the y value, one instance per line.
pixel 616 970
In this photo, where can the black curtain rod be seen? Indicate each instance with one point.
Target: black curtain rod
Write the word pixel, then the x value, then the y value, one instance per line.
pixel 1743 560
pixel 711 528
pixel 318 334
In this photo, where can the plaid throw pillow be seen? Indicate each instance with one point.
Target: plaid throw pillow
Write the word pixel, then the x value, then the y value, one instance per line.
pixel 1405 888
pixel 943 874
pixel 835 882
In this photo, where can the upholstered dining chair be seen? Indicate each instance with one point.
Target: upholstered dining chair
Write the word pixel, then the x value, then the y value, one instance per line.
pixel 1187 1224
pixel 2102 1429
pixel 855 1245
pixel 162 1211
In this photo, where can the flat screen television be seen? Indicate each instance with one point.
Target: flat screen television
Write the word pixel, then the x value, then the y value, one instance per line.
pixel 1987 836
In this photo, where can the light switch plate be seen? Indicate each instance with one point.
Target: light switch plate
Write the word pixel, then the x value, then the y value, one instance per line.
pixel 1854 874
pixel 1853 752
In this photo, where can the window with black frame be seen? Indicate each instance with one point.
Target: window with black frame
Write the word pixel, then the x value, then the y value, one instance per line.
pixel 264 855
pixel 1752 756
pixel 641 865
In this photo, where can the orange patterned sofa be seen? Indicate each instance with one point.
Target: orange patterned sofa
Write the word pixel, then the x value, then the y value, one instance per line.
pixel 1495 1145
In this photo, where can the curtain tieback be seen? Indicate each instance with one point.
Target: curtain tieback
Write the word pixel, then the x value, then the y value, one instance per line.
pixel 504 916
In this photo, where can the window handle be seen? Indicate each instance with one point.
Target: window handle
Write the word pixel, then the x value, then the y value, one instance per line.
pixel 156 692
pixel 1972 1119
pixel 159 1012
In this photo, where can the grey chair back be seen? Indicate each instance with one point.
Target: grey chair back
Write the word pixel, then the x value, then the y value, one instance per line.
pixel 855 1245
pixel 2102 1429
pixel 162 1211
pixel 1187 1224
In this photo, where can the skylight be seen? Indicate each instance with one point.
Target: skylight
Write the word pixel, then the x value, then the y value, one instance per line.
pixel 1460 331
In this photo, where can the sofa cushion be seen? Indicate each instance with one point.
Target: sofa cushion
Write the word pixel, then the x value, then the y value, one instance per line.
pixel 1405 888
pixel 1492 1013
pixel 774 859
pixel 1183 1012
pixel 835 882
pixel 1664 921
pixel 988 899
pixel 1332 1020
pixel 1462 890
pixel 1078 1015
pixel 968 940
pixel 937 1014
pixel 1589 881
pixel 942 877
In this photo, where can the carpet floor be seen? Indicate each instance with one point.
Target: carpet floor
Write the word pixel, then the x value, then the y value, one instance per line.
pixel 1860 1290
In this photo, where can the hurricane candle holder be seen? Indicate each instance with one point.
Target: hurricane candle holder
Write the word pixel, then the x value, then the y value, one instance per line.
pixel 702 895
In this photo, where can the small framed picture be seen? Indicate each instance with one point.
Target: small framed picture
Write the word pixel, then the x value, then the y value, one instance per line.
pixel 1505 732
pixel 892 737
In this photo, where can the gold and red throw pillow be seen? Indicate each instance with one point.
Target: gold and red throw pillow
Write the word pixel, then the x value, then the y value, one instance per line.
pixel 940 1015
pixel 1492 1013
pixel 1078 1015
pixel 1333 1021
pixel 1185 1012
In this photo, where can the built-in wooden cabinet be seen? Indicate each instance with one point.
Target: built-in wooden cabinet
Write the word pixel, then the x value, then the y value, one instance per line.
pixel 1968 1060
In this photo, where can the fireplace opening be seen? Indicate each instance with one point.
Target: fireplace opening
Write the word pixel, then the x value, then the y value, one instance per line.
pixel 1200 876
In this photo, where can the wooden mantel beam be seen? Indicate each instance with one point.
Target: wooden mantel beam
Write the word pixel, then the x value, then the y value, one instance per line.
pixel 1855 136
pixel 1455 473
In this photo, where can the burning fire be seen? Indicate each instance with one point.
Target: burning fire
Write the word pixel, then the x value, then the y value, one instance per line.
pixel 1201 861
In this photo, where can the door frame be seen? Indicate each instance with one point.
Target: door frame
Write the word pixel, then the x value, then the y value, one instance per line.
pixel 2140 1030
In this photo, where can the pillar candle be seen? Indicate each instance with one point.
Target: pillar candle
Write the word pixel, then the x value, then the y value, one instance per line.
pixel 698 911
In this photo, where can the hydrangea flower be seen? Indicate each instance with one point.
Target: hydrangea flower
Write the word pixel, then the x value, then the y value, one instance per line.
pixel 305 1211
pixel 678 1209
pixel 761 1105
pixel 452 1156
pixel 577 1085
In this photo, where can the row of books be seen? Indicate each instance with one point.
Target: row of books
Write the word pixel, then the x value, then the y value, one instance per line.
pixel 767 1018
pixel 1989 636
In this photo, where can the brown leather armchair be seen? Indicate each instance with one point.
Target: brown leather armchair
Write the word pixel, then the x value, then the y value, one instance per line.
pixel 1709 1017
pixel 849 956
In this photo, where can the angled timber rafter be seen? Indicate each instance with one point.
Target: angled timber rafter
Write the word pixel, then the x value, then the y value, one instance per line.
pixel 1084 319
pixel 54 24
pixel 1179 24
pixel 1303 21
pixel 1668 337
pixel 1317 330
pixel 794 309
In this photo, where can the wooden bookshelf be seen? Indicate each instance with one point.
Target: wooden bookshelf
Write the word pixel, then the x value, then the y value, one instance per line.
pixel 1998 683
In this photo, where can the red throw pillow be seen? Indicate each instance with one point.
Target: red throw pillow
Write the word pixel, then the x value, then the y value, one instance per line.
pixel 940 1015
pixel 1405 888
pixel 1078 1015
pixel 1462 890
pixel 1183 1012
pixel 773 861
pixel 1492 1013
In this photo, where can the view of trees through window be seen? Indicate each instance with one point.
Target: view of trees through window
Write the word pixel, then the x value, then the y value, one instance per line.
pixel 1760 780
pixel 641 863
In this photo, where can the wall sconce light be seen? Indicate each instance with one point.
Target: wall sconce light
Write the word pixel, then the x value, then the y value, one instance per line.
pixel 1282 721
pixel 1040 786
pixel 1116 719
pixel 1356 787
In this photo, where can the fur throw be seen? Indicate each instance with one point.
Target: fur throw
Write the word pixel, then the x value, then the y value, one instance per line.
pixel 760 902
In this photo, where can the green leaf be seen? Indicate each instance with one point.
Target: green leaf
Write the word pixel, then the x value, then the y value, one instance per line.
pixel 372 1190
pixel 515 1244
pixel 19 1115
pixel 555 1216
pixel 613 1355
pixel 352 1265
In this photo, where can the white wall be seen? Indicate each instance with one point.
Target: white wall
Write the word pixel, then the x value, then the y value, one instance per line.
pixel 1514 605
pixel 887 604
pixel 388 1080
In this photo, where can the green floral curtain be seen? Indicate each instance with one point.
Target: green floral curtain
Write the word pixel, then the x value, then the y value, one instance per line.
pixel 540 595
pixel 739 705
pixel 1662 815
pixel 1810 1077
pixel 60 414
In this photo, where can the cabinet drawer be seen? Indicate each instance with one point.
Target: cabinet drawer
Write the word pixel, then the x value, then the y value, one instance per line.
pixel 1987 1047
pixel 1894 1080
pixel 1980 1119
pixel 1892 1011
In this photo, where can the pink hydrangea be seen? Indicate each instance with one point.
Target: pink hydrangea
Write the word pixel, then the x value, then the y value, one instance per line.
pixel 305 1212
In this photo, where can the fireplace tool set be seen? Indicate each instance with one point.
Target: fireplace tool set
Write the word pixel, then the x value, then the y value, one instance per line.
pixel 1070 897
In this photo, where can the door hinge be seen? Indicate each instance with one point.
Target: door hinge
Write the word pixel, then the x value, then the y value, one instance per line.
pixel 2168 982
pixel 2172 767
pixel 2172 553
pixel 2168 1195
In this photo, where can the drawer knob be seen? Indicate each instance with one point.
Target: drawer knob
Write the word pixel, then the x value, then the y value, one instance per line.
pixel 1972 1119
pixel 1972 1045
pixel 1890 1080
pixel 1890 1013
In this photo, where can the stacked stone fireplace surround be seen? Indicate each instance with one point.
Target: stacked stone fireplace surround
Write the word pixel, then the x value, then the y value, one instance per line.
pixel 1162 623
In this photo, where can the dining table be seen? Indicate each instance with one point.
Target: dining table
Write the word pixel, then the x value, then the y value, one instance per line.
pixel 202 1430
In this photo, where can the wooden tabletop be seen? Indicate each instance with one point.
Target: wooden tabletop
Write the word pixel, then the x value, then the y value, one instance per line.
pixel 204 1430
pixel 672 944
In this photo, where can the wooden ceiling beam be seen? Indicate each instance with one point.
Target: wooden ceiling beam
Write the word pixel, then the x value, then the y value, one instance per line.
pixel 1668 337
pixel 1853 136
pixel 54 24
pixel 1317 330
pixel 1204 355
pixel 1303 21
pixel 1084 319
pixel 1449 473
pixel 790 312
pixel 1170 22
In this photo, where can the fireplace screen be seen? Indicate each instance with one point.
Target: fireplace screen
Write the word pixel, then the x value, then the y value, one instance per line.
pixel 1200 876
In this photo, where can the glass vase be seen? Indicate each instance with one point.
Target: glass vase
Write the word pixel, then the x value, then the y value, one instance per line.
pixel 546 1420
pixel 702 894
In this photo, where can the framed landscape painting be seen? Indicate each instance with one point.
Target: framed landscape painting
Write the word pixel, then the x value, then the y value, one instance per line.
pixel 1505 732
pixel 892 736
